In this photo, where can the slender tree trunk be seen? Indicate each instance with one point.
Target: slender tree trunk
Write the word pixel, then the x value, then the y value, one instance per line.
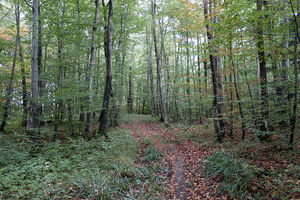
pixel 188 80
pixel 70 117
pixel 164 112
pixel 130 92
pixel 117 75
pixel 149 62
pixel 175 83
pixel 205 66
pixel 108 55
pixel 24 90
pixel 296 84
pixel 40 70
pixel 237 93
pixel 230 134
pixel 90 71
pixel 199 77
pixel 154 104
pixel 35 114
pixel 121 86
pixel 59 103
pixel 262 76
pixel 217 112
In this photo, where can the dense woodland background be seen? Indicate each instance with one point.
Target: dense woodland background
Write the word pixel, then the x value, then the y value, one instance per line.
pixel 73 68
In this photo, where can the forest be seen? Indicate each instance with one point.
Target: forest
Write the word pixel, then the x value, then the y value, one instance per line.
pixel 149 99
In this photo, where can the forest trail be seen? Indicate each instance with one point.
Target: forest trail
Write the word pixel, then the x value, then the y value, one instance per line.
pixel 183 160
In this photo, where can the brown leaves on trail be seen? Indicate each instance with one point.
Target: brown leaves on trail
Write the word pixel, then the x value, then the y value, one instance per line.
pixel 183 160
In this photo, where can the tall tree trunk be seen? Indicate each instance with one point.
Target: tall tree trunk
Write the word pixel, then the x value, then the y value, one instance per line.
pixel 130 92
pixel 121 68
pixel 108 55
pixel 35 114
pixel 262 76
pixel 164 112
pixel 230 134
pixel 149 69
pixel 205 66
pixel 23 74
pixel 296 86
pixel 175 83
pixel 59 103
pixel 90 70
pixel 199 77
pixel 40 70
pixel 154 103
pixel 188 79
pixel 217 112
pixel 118 86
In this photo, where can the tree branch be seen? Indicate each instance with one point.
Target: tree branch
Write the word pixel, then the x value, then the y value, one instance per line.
pixel 28 4
pixel 43 3
pixel 5 14
pixel 295 19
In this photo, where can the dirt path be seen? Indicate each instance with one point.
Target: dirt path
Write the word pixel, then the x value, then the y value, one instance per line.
pixel 184 159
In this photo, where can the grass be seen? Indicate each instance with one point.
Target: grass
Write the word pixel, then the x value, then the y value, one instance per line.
pixel 234 174
pixel 75 168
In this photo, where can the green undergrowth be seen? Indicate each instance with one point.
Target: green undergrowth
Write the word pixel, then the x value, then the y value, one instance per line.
pixel 240 180
pixel 234 174
pixel 200 133
pixel 245 169
pixel 126 118
pixel 151 153
pixel 75 169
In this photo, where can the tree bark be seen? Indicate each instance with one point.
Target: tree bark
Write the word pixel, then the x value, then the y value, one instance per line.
pixel 217 112
pixel 59 103
pixel 35 114
pixel 90 71
pixel 296 86
pixel 149 74
pixel 108 55
pixel 199 77
pixel 262 76
pixel 130 91
pixel 24 90
pixel 188 79
pixel 164 112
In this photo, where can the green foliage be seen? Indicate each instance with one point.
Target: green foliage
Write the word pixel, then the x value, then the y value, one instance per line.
pixel 94 169
pixel 147 141
pixel 234 174
pixel 151 154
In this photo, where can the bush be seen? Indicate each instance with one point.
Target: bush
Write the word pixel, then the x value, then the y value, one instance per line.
pixel 234 174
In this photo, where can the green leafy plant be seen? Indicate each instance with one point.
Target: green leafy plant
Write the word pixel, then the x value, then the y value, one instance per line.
pixel 234 174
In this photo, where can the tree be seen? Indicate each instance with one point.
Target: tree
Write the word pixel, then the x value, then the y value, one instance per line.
pixel 35 114
pixel 108 55
pixel 91 68
pixel 163 108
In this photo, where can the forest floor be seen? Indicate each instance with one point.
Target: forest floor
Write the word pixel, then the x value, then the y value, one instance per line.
pixel 183 176
pixel 145 160
pixel 236 170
